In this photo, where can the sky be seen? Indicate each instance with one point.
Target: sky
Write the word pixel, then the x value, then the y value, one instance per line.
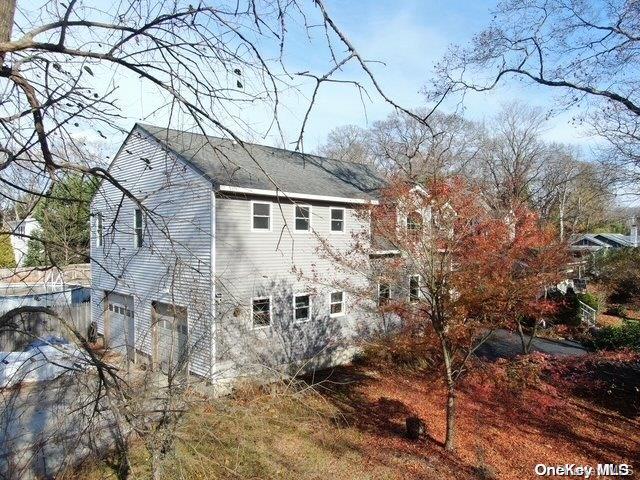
pixel 403 38
pixel 410 36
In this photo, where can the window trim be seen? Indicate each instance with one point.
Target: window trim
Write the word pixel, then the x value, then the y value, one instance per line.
pixel 251 215
pixel 296 295
pixel 388 299
pixel 344 220
pixel 253 325
pixel 99 231
pixel 137 227
pixel 295 217
pixel 343 303
pixel 419 291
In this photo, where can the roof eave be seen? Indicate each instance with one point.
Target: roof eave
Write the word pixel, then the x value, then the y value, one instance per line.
pixel 294 195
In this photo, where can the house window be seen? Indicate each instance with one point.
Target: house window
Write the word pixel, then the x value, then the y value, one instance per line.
pixel 99 230
pixel 261 216
pixel 337 219
pixel 20 229
pixel 414 221
pixel 301 308
pixel 414 288
pixel 384 294
pixel 337 304
pixel 303 218
pixel 261 311
pixel 137 228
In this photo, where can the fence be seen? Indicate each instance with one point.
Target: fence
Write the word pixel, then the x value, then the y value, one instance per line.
pixel 28 326
pixel 78 274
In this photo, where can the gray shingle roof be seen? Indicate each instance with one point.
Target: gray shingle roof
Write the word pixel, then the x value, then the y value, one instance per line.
pixel 254 166
pixel 620 239
pixel 604 239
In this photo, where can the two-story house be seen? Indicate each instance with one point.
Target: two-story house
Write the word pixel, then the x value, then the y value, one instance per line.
pixel 199 262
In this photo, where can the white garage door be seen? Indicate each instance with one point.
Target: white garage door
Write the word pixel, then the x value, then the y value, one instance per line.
pixel 121 326
pixel 171 338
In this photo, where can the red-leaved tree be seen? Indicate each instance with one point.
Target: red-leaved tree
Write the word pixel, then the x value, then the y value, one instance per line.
pixel 451 268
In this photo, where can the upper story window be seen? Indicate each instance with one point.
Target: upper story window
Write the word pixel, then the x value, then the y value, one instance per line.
pixel 414 288
pixel 20 229
pixel 138 228
pixel 261 216
pixel 414 221
pixel 337 304
pixel 302 218
pixel 261 311
pixel 384 294
pixel 301 307
pixel 337 219
pixel 99 230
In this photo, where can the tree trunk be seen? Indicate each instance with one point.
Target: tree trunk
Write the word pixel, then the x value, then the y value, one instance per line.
pixel 522 339
pixel 449 442
pixel 7 13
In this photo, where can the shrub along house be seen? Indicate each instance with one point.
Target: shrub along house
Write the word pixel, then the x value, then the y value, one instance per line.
pixel 197 273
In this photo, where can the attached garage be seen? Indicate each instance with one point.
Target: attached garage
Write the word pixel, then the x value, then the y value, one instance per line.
pixel 170 338
pixel 119 324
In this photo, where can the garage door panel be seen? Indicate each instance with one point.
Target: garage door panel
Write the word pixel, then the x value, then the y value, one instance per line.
pixel 171 337
pixel 121 331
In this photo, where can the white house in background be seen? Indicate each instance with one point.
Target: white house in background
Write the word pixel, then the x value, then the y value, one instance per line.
pixel 593 242
pixel 21 230
pixel 202 274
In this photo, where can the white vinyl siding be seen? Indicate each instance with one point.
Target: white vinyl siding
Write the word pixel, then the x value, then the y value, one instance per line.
pixel 178 267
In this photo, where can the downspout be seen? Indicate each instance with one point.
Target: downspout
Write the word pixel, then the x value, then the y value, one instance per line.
pixel 212 260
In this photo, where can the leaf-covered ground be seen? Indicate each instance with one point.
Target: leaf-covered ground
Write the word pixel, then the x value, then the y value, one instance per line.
pixel 350 425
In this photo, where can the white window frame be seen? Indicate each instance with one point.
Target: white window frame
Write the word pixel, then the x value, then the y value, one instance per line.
pixel 99 230
pixel 136 227
pixel 270 311
pixel 419 291
pixel 344 220
pixel 253 202
pixel 343 303
pixel 296 295
pixel 388 298
pixel 295 217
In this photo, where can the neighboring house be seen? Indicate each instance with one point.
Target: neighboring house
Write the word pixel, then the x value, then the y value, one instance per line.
pixel 593 242
pixel 21 230
pixel 213 268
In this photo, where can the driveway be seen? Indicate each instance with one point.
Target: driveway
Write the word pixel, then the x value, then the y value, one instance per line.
pixel 50 425
pixel 506 344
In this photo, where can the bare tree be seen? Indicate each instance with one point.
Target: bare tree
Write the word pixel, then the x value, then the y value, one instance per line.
pixel 348 142
pixel 402 144
pixel 63 68
pixel 585 51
